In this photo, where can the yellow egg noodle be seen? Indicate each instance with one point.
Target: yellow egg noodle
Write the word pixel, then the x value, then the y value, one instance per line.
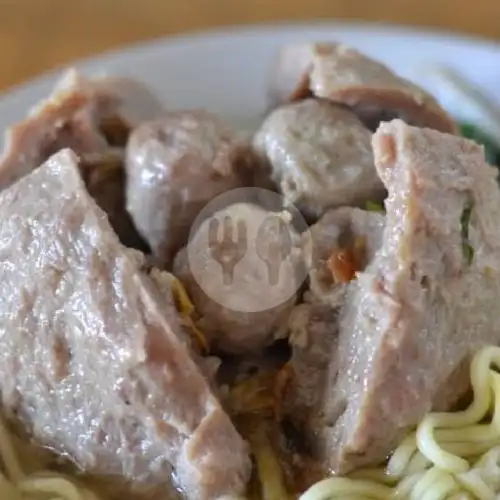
pixel 450 456
pixel 17 484
pixel 186 309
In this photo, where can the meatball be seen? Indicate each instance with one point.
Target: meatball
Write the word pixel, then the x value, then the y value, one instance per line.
pixel 243 278
pixel 174 166
pixel 92 116
pixel 320 156
pixel 343 75
pixel 343 242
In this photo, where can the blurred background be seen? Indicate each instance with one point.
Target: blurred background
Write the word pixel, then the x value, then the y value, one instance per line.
pixel 36 35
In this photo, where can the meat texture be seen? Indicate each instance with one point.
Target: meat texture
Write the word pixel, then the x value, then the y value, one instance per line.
pixel 247 312
pixel 343 241
pixel 313 331
pixel 88 115
pixel 319 155
pixel 175 166
pixel 345 76
pixel 93 359
pixel 104 177
pixel 92 116
pixel 424 304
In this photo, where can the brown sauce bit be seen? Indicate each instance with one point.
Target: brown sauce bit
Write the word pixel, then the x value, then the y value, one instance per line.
pixel 104 177
pixel 344 263
pixel 115 130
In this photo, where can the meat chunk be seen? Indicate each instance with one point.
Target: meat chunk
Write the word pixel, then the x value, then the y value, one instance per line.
pixel 424 304
pixel 344 241
pixel 175 166
pixel 93 117
pixel 93 359
pixel 243 305
pixel 314 325
pixel 86 115
pixel 320 156
pixel 313 331
pixel 345 76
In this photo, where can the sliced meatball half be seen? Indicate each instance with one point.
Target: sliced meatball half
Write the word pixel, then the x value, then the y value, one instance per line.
pixel 422 307
pixel 93 117
pixel 345 76
pixel 94 363
pixel 88 115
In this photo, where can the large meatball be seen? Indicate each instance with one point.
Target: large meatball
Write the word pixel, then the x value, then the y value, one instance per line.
pixel 320 156
pixel 174 166
pixel 242 277
pixel 92 116
pixel 345 76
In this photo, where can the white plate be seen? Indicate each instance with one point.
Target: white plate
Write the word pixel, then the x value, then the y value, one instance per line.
pixel 226 71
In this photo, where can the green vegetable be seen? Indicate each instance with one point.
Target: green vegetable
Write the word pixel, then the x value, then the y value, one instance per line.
pixel 372 206
pixel 491 147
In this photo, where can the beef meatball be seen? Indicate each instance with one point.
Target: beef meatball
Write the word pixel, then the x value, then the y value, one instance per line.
pixel 174 166
pixel 319 155
pixel 242 281
pixel 93 116
pixel 345 76
pixel 343 242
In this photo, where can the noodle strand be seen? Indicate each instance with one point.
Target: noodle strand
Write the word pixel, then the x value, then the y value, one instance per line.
pixel 16 484
pixel 450 456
